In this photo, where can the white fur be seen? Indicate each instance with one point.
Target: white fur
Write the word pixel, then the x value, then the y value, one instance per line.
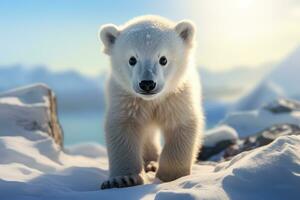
pixel 133 120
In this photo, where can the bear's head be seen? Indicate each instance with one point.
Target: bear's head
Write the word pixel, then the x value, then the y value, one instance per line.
pixel 149 55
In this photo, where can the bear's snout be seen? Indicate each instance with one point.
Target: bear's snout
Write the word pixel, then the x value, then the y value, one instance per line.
pixel 147 85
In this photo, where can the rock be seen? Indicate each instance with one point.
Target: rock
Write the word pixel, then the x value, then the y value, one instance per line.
pixel 56 131
pixel 30 112
pixel 219 133
pixel 216 140
pixel 283 106
pixel 262 138
pixel 208 152
pixel 248 123
pixel 226 149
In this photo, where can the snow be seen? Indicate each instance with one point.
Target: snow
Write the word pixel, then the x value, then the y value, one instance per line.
pixel 17 105
pixel 263 93
pixel 33 167
pixel 39 170
pixel 250 122
pixel 218 134
pixel 286 74
pixel 282 81
pixel 231 84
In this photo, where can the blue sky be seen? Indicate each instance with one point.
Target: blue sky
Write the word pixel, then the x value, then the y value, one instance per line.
pixel 63 34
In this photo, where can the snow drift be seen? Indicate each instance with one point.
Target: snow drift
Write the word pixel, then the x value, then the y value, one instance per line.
pixel 27 109
pixel 220 133
pixel 38 170
pixel 249 122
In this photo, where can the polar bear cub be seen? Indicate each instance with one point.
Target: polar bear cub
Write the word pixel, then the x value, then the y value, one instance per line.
pixel 153 87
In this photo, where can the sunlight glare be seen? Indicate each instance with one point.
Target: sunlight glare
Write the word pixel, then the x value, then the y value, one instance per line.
pixel 244 4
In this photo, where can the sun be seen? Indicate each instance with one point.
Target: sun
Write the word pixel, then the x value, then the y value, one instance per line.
pixel 233 32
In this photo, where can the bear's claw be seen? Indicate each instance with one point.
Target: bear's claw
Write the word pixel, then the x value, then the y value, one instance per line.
pixel 122 181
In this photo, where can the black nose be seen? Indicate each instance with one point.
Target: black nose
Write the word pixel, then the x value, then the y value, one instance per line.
pixel 147 85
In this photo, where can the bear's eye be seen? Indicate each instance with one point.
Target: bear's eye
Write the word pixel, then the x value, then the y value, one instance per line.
pixel 132 61
pixel 163 60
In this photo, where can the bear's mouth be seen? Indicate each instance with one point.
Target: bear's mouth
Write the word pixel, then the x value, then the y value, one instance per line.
pixel 148 93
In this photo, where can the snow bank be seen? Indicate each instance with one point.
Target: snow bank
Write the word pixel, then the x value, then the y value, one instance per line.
pixel 249 122
pixel 218 134
pixel 30 109
pixel 39 170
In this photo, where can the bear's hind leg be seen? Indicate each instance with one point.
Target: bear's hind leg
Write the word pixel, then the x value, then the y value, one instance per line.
pixel 151 150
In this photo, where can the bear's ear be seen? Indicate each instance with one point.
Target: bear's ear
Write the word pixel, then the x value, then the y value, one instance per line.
pixel 108 34
pixel 186 30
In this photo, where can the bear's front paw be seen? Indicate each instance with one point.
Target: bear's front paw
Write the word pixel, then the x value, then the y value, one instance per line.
pixel 151 166
pixel 123 181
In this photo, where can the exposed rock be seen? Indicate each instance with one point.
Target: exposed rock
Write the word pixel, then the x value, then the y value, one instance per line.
pixel 208 152
pixel 248 123
pixel 261 139
pixel 30 112
pixel 228 148
pixel 255 128
pixel 216 140
pixel 55 127
pixel 283 106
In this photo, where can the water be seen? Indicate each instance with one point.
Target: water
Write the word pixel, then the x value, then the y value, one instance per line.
pixel 82 127
pixel 88 126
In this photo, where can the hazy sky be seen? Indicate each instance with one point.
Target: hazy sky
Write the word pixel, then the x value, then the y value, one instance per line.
pixel 62 34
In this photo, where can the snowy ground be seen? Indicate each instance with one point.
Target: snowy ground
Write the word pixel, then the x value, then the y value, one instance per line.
pixel 249 122
pixel 32 166
pixel 38 170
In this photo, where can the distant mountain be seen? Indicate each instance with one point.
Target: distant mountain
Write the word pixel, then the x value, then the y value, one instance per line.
pixel 282 81
pixel 230 84
pixel 265 92
pixel 74 91
pixel 287 74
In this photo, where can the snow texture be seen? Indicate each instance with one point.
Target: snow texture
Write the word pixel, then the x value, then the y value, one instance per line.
pixel 32 166
pixel 247 123
pixel 27 109
pixel 218 134
pixel 38 170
